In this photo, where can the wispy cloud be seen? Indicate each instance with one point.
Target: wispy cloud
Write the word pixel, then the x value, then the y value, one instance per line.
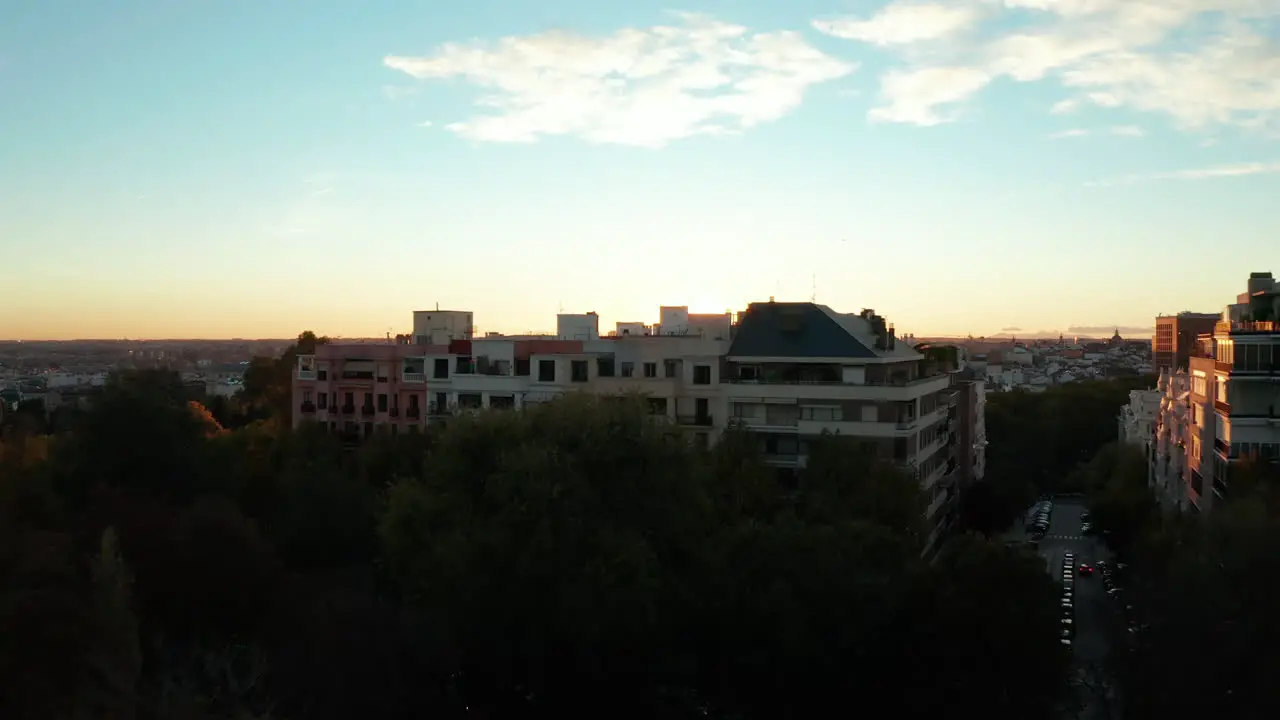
pixel 425 124
pixel 1119 130
pixel 1010 329
pixel 1108 330
pixel 322 191
pixel 396 92
pixel 1217 171
pixel 1204 63
pixel 638 86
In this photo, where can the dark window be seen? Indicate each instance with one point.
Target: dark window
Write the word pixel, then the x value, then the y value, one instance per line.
pixel 651 370
pixel 604 366
pixel 546 371
pixel 628 369
pixel 701 374
pixel 441 368
pixel 382 402
pixel 522 367
pixel 578 371
pixel 323 399
pixel 413 401
pixel 442 402
pixel 322 374
pixel 348 399
pixel 671 368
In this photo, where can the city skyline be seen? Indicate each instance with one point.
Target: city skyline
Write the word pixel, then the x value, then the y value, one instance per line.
pixel 252 171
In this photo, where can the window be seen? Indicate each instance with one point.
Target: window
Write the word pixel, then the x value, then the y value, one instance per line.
pixel 322 374
pixel 382 402
pixel 522 367
pixel 546 371
pixel 324 401
pixel 441 369
pixel 604 366
pixel 306 396
pixel 701 374
pixel 348 399
pixel 578 371
pixel 671 368
pixel 829 413
pixel 368 400
pixel 1198 385
pixel 628 369
pixel 651 370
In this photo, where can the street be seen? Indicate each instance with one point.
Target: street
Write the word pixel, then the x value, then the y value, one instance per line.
pixel 1092 606
pixel 1091 602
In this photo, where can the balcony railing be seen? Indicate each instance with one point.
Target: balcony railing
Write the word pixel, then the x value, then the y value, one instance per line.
pixel 357 374
pixel 414 377
pixel 891 382
pixel 696 420
pixel 308 407
pixel 1225 327
pixel 366 410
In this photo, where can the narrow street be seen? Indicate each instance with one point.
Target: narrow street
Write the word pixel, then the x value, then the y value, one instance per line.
pixel 1092 607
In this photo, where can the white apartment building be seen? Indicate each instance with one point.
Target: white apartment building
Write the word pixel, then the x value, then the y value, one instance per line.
pixel 786 372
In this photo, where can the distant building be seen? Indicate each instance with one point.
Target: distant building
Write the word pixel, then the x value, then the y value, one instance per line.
pixel 1176 335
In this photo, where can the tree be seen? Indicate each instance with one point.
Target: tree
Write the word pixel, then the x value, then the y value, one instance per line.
pixel 843 479
pixel 985 600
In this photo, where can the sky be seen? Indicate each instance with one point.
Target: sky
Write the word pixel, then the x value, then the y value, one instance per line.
pixel 238 168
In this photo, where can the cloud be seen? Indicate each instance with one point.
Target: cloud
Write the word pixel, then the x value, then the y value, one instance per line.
pixel 425 124
pixel 921 96
pixel 1218 171
pixel 1109 330
pixel 395 92
pixel 1120 130
pixel 638 86
pixel 1202 63
pixel 1065 107
pixel 1010 329
pixel 322 191
pixel 902 23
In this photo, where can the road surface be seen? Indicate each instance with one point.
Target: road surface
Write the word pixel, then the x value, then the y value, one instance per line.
pixel 1092 607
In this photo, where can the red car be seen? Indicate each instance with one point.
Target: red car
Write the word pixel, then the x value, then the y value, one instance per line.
pixel 1086 569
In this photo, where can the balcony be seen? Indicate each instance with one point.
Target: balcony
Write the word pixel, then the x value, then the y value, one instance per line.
pixel 394 412
pixel 366 410
pixel 348 409
pixel 415 377
pixel 1244 327
pixel 829 389
pixel 308 407
pixel 357 374
pixel 695 420
pixel 413 412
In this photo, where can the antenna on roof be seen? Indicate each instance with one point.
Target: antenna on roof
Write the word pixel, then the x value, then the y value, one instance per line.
pixel 813 292
pixel 437 306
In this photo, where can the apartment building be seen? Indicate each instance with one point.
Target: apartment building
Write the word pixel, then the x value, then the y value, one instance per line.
pixel 1175 338
pixel 1225 408
pixel 786 372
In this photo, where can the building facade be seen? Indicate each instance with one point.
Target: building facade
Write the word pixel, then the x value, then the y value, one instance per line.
pixel 785 372
pixel 1224 409
pixel 1175 338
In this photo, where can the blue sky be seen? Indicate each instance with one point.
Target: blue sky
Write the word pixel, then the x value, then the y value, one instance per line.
pixel 180 168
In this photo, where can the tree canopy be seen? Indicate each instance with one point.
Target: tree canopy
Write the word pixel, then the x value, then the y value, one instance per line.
pixel 580 557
